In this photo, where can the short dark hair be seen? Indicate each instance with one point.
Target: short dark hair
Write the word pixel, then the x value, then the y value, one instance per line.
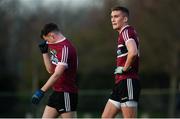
pixel 50 27
pixel 120 8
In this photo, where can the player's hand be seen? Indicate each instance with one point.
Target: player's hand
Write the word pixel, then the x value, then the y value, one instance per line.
pixel 119 70
pixel 43 46
pixel 38 95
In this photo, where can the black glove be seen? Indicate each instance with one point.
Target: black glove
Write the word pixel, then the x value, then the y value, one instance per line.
pixel 36 98
pixel 43 46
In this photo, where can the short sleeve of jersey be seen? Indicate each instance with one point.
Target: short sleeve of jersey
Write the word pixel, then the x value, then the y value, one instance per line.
pixel 63 56
pixel 128 34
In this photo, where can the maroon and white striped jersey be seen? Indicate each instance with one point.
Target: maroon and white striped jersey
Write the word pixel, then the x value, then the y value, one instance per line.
pixel 126 34
pixel 64 53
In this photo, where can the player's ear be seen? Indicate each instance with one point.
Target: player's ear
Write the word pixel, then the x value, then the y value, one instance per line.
pixel 125 19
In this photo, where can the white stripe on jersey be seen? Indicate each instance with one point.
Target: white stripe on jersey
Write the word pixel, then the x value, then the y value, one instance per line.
pixel 121 45
pixel 125 35
pixel 67 55
pixel 122 55
pixel 64 56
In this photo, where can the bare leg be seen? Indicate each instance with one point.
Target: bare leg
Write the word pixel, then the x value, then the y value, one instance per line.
pixel 129 112
pixel 110 110
pixel 50 112
pixel 69 115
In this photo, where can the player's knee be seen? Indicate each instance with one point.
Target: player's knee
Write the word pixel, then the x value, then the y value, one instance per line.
pixel 103 116
pixel 108 115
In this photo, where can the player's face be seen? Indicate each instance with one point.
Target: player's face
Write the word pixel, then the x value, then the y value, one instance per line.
pixel 49 37
pixel 118 19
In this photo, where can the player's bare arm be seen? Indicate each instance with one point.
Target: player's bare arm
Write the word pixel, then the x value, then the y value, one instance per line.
pixel 57 73
pixel 47 63
pixel 132 54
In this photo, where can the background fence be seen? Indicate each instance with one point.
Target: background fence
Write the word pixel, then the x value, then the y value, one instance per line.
pixel 153 103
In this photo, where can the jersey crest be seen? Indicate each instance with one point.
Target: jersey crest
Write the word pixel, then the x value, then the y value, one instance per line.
pixel 54 58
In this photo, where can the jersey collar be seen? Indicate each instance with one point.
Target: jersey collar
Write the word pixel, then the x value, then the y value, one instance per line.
pixel 123 28
pixel 61 40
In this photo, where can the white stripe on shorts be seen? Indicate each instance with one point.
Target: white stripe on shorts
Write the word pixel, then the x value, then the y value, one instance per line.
pixel 130 88
pixel 67 101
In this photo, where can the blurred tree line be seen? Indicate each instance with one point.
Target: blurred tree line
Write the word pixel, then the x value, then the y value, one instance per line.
pixel 89 28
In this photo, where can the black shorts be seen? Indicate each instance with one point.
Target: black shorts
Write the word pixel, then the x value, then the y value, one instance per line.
pixel 126 90
pixel 63 101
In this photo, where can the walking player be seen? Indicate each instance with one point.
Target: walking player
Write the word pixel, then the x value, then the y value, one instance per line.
pixel 60 59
